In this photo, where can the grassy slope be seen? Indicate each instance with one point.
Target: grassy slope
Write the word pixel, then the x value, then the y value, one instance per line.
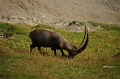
pixel 17 63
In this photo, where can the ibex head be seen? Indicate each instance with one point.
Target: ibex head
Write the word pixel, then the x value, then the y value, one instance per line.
pixel 81 47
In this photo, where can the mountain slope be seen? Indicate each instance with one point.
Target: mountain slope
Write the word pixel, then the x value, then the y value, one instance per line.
pixel 49 11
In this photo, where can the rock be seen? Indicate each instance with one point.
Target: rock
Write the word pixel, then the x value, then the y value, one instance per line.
pixel 109 67
pixel 1 34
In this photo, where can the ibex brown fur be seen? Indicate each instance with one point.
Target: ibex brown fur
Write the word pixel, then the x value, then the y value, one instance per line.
pixel 48 38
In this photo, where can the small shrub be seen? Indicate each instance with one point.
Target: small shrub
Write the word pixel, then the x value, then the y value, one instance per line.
pixel 74 22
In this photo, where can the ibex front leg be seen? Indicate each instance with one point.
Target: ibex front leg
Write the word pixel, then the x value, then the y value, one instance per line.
pixel 62 52
pixel 54 51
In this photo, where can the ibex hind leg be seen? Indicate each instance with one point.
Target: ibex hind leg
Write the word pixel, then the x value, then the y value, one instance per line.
pixel 40 50
pixel 31 47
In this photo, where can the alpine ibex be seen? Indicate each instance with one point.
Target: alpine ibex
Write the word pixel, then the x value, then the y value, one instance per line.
pixel 48 38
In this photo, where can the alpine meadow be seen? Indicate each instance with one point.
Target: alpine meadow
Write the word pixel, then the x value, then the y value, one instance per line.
pixel 95 62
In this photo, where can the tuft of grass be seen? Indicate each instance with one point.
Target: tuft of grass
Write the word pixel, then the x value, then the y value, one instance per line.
pixel 95 24
pixel 83 23
pixel 43 26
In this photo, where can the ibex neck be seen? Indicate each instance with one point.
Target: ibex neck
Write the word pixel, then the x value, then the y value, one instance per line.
pixel 69 46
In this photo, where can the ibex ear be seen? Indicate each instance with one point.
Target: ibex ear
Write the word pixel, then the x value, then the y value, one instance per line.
pixel 84 42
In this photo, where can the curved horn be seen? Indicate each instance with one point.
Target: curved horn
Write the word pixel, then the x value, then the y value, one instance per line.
pixel 84 42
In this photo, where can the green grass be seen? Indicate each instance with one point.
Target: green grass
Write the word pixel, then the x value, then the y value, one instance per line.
pixel 83 23
pixel 10 29
pixel 95 23
pixel 106 26
pixel 17 63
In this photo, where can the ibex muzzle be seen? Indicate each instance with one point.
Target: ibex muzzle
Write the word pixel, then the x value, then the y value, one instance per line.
pixel 47 38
